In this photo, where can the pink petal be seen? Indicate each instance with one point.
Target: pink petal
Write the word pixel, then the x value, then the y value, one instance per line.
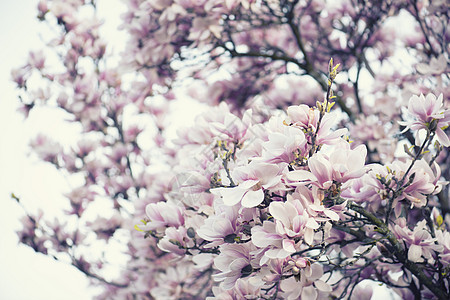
pixel 442 137
pixel 331 214
pixel 289 246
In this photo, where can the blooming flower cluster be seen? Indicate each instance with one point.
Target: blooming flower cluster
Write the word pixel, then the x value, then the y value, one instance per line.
pixel 280 201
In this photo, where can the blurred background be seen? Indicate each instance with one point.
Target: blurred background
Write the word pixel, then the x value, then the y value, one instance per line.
pixel 25 274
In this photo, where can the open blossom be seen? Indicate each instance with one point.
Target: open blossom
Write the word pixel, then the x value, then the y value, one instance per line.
pixel 285 146
pixel 175 283
pixel 234 261
pixel 253 179
pixel 175 240
pixel 221 228
pixel 311 200
pixel 243 289
pixel 443 238
pixel 309 287
pixel 292 221
pixel 340 166
pixel 307 119
pixel 424 182
pixel 278 239
pixel 267 238
pixel 163 214
pixel 419 240
pixel 429 114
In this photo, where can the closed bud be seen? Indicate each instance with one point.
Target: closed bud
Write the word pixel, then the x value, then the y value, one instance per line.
pixel 191 232
pixel 433 125
pixel 230 238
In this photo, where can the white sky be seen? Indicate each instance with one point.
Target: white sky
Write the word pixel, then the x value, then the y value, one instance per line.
pixel 25 274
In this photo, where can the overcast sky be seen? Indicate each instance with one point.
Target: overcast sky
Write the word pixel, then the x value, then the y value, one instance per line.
pixel 25 275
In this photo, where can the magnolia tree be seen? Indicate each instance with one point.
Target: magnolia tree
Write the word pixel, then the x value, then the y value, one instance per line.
pixel 318 162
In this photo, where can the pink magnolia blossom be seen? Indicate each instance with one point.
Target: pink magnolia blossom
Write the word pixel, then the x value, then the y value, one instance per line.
pixel 443 238
pixel 429 114
pixel 342 165
pixel 221 228
pixel 267 238
pixel 292 221
pixel 419 240
pixel 253 180
pixel 310 285
pixel 311 200
pixel 425 182
pixel 163 214
pixel 307 119
pixel 175 241
pixel 234 261
pixel 285 146
pixel 243 289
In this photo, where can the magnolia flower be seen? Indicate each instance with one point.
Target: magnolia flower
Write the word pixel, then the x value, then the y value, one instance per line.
pixel 292 221
pixel 435 66
pixel 285 146
pixel 46 148
pixel 253 179
pixel 443 238
pixel 309 287
pixel 234 262
pixel 175 241
pixel 420 242
pixel 429 114
pixel 163 214
pixel 220 228
pixel 243 289
pixel 342 165
pixel 267 238
pixel 311 200
pixel 424 182
pixel 307 119
pixel 175 282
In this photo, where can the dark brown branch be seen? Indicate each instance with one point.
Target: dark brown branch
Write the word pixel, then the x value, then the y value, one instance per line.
pixel 400 253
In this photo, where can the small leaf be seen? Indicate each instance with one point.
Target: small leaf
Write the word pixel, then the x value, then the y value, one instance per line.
pixel 439 220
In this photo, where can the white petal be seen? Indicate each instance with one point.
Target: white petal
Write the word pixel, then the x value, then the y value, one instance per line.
pixel 277 211
pixel 331 214
pixel 312 224
pixel 309 236
pixel 414 253
pixel 253 198
pixel 322 286
pixel 309 292
pixel 231 196
pixel 301 175
pixel 442 137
